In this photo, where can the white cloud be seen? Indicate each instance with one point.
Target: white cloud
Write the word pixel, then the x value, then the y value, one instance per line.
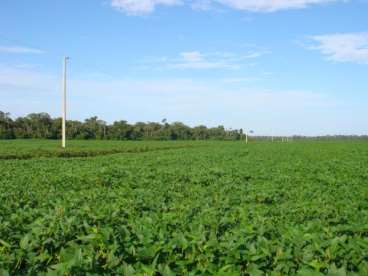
pixel 19 50
pixel 199 60
pixel 343 47
pixel 25 77
pixel 192 56
pixel 139 7
pixel 270 5
pixel 240 79
pixel 201 5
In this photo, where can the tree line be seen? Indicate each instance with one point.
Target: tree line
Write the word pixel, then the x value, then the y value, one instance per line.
pixel 43 126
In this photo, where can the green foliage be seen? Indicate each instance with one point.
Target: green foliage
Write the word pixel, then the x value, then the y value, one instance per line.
pixel 42 126
pixel 223 208
pixel 27 149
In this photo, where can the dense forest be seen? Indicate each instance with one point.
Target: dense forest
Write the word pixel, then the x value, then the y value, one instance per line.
pixel 43 126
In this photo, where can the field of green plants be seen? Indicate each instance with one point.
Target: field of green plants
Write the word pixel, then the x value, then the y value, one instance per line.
pixel 184 208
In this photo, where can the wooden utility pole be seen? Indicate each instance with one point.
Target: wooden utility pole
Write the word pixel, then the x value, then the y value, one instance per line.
pixel 63 123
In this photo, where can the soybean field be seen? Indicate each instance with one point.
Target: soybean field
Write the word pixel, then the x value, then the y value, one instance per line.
pixel 184 208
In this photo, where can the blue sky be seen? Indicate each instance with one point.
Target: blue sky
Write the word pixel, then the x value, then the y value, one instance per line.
pixel 277 67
